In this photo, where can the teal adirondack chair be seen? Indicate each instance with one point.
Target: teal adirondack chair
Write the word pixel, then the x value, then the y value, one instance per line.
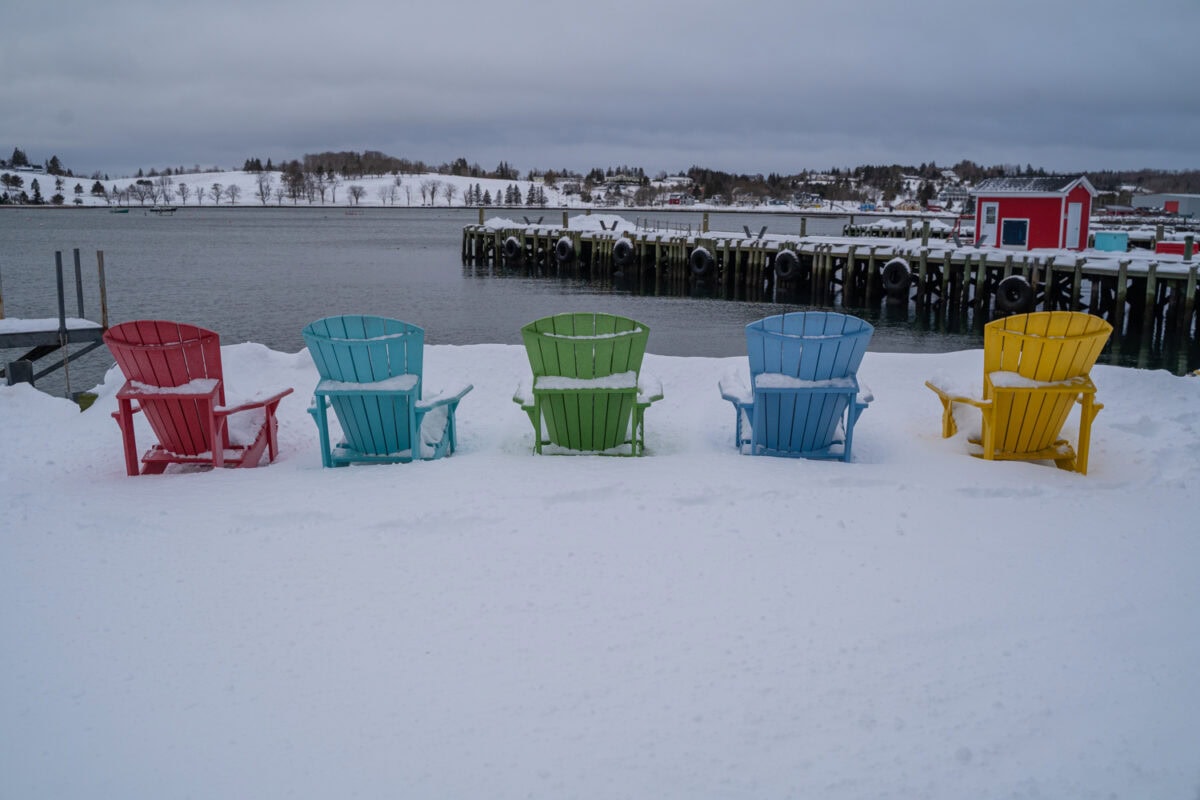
pixel 587 393
pixel 370 371
pixel 804 396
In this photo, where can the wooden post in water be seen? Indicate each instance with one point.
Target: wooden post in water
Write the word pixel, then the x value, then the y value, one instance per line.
pixel 872 291
pixel 1149 303
pixel 945 287
pixel 1189 307
pixel 78 285
pixel 1077 283
pixel 1122 289
pixel 103 290
pixel 704 224
pixel 850 279
pixel 922 283
pixel 804 226
pixel 481 215
pixel 981 305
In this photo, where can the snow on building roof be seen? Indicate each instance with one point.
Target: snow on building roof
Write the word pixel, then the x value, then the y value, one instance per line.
pixel 1048 184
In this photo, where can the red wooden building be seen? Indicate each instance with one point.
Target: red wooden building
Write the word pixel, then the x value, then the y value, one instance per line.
pixel 1033 212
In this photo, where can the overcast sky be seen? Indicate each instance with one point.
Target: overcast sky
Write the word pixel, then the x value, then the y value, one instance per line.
pixel 745 86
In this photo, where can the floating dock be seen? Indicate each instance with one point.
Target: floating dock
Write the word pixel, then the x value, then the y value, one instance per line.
pixel 1147 295
pixel 50 336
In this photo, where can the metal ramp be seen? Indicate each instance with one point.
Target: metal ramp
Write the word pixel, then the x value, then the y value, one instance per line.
pixel 50 336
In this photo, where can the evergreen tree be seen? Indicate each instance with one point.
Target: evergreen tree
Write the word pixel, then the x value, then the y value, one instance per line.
pixel 37 192
pixel 19 159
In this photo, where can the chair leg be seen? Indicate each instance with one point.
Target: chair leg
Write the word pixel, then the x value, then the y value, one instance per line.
pixel 1087 414
pixel 124 418
pixel 320 416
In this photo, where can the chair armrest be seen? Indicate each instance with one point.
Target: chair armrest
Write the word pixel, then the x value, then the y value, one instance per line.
pixel 398 384
pixel 649 389
pixel 958 398
pixel 949 426
pixel 199 389
pixel 524 393
pixel 735 391
pixel 445 397
pixel 250 404
pixel 865 396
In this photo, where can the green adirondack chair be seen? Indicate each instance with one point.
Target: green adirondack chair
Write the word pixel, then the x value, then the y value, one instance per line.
pixel 587 393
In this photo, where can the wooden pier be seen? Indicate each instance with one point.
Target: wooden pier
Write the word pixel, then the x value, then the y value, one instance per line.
pixel 1148 296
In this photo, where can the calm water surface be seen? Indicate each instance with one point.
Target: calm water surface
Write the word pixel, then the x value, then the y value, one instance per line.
pixel 261 274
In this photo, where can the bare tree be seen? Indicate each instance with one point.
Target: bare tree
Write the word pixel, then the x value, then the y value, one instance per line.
pixel 448 192
pixel 217 190
pixel 333 183
pixel 264 182
pixel 138 191
pixel 393 191
pixel 320 182
pixel 280 193
pixel 166 188
pixel 356 193
pixel 383 191
pixel 184 191
pixel 407 195
pixel 233 191
pixel 200 192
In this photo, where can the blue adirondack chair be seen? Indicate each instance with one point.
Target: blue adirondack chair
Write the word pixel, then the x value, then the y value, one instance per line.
pixel 370 371
pixel 804 396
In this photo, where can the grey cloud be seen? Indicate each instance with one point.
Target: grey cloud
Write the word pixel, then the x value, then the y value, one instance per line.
pixel 771 85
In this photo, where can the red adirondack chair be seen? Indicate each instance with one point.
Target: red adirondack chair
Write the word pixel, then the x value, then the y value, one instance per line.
pixel 173 373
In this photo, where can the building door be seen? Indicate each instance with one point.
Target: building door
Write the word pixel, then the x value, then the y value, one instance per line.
pixel 1074 221
pixel 988 214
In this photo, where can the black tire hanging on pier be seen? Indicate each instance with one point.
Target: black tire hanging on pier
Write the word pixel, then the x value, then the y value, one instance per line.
pixel 787 264
pixel 701 262
pixel 512 248
pixel 1014 295
pixel 622 252
pixel 564 250
pixel 896 277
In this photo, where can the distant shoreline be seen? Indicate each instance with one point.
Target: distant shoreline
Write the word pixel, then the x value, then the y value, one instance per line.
pixel 525 210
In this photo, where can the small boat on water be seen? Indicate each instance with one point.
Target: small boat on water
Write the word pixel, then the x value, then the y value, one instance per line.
pixel 118 211
pixel 163 211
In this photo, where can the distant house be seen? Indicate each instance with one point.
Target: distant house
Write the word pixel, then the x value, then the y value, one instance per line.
pixel 1182 204
pixel 1024 213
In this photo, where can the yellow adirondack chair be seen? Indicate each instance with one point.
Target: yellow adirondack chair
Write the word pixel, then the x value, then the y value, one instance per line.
pixel 1035 368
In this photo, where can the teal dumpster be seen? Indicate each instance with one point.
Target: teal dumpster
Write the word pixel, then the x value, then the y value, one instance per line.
pixel 1115 241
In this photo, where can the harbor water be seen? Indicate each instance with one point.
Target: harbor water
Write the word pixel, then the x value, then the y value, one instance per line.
pixel 261 274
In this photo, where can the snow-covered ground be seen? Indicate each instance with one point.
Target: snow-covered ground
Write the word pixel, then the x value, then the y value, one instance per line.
pixel 377 191
pixel 695 623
